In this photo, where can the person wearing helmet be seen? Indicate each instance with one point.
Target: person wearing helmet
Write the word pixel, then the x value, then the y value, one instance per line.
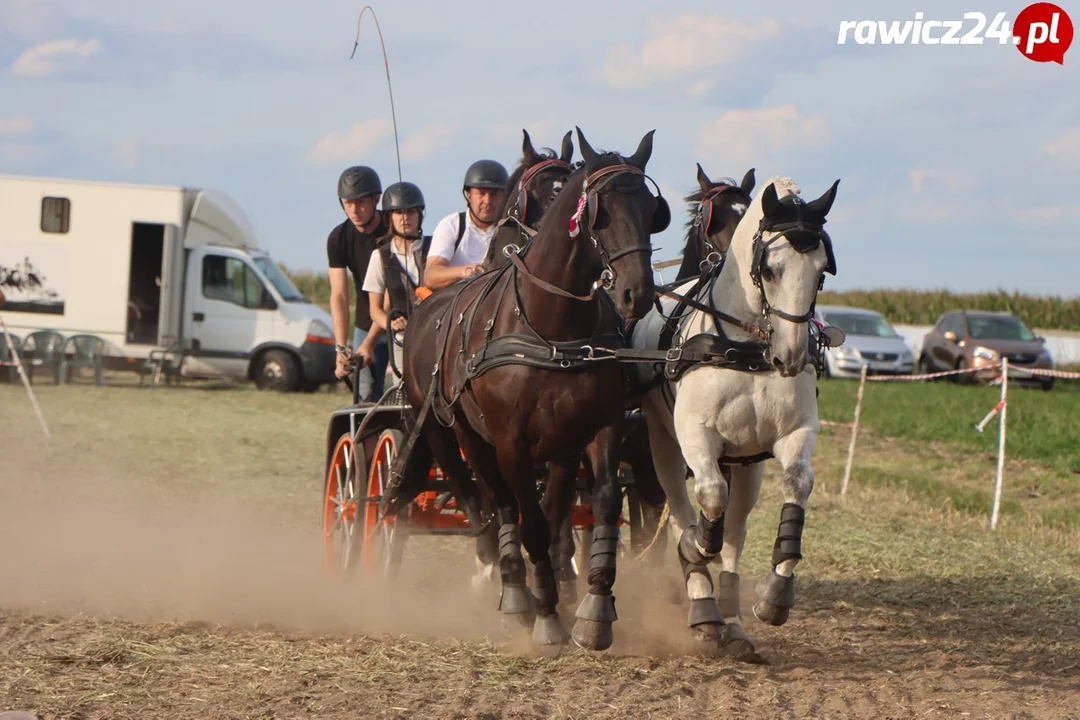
pixel 349 248
pixel 461 240
pixel 396 269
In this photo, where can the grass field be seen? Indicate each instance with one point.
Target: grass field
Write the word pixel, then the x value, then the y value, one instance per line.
pixel 161 558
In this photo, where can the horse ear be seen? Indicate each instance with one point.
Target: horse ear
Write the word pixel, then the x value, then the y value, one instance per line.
pixel 748 181
pixel 823 204
pixel 527 150
pixel 567 147
pixel 587 153
pixel 643 153
pixel 770 203
pixel 703 180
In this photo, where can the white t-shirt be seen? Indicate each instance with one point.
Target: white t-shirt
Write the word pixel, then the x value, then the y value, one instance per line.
pixel 474 243
pixel 375 278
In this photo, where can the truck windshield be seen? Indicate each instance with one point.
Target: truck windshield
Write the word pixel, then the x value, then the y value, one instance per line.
pixel 281 281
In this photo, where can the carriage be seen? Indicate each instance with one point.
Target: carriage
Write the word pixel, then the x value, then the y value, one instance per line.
pixel 363 441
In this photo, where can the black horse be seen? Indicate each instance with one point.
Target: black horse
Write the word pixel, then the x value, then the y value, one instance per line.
pixel 507 361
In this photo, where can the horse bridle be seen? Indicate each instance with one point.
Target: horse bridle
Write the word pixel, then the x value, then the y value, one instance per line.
pixel 703 219
pixel 589 203
pixel 761 247
pixel 519 210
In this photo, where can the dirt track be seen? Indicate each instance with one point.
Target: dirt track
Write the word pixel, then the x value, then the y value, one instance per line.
pixel 120 601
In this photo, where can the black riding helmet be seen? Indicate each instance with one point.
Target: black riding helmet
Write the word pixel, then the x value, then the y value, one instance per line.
pixel 357 182
pixel 486 174
pixel 402 196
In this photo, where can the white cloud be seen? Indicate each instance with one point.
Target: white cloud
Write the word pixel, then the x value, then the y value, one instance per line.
pixel 25 17
pixel 938 180
pixel 12 152
pixel 352 145
pixel 49 57
pixel 16 125
pixel 680 46
pixel 750 138
pixel 541 131
pixel 427 141
pixel 1048 213
pixel 1065 146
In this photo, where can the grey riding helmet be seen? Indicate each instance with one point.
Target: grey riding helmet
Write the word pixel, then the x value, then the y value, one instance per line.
pixel 402 196
pixel 357 182
pixel 486 174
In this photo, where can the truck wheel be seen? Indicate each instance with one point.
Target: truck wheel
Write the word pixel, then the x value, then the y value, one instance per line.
pixel 278 371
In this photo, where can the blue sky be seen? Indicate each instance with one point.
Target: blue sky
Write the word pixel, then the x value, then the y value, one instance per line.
pixel 959 165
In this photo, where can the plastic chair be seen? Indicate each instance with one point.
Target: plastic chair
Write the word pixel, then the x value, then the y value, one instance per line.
pixel 41 348
pixel 83 351
pixel 168 362
pixel 7 363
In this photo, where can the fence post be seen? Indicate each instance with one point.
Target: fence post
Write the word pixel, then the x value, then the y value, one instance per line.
pixel 26 382
pixel 854 432
pixel 1001 442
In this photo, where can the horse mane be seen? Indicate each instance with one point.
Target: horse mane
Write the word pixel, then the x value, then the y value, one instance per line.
pixel 691 253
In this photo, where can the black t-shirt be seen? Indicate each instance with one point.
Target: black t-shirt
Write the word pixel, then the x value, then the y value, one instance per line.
pixel 347 247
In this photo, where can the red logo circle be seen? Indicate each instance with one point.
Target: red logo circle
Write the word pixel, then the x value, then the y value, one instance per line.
pixel 1043 32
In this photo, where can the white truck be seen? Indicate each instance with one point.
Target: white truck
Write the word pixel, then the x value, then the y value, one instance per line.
pixel 152 268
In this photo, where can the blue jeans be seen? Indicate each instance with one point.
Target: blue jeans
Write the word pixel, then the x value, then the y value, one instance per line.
pixel 372 377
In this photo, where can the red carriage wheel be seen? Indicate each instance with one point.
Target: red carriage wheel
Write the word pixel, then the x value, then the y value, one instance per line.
pixel 341 536
pixel 383 541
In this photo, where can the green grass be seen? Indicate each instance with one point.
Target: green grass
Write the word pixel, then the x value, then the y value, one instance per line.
pixel 929 445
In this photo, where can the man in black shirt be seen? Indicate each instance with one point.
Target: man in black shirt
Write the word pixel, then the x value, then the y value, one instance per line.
pixel 349 248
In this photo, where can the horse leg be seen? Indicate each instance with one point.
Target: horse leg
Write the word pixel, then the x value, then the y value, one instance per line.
pixel 701 543
pixel 515 461
pixel 558 502
pixel 515 598
pixel 776 591
pixel 596 613
pixel 744 485
pixel 636 454
pixel 470 500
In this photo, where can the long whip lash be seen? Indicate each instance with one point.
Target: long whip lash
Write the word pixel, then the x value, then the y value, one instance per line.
pixel 389 86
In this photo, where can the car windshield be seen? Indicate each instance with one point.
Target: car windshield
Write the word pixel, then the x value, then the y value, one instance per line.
pixel 998 328
pixel 863 324
pixel 281 281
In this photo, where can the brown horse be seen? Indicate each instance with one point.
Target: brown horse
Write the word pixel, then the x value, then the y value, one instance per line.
pixel 508 360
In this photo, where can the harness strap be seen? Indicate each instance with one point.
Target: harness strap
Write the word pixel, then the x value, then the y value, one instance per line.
pixel 520 265
pixel 716 314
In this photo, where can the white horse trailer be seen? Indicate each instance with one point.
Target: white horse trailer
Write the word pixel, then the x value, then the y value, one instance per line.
pixel 151 268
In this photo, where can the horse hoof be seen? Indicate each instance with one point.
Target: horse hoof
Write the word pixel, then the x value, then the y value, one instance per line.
pixel 736 644
pixel 768 613
pixel 568 592
pixel 549 635
pixel 709 633
pixel 593 634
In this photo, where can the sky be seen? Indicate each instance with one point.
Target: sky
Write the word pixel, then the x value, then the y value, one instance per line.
pixel 958 165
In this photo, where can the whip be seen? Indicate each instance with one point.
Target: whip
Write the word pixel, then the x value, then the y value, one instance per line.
pixel 389 85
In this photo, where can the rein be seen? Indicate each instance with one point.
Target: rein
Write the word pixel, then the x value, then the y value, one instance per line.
pixel 716 314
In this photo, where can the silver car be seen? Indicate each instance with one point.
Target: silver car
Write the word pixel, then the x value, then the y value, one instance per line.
pixel 870 341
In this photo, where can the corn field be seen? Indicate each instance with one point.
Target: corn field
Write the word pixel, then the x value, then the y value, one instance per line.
pixel 905 307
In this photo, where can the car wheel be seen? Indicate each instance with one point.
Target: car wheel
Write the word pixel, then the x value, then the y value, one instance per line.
pixel 1047 384
pixel 924 365
pixel 965 379
pixel 278 371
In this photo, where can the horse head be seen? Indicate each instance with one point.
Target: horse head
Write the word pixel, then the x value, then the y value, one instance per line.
pixel 715 211
pixel 617 213
pixel 788 258
pixel 530 191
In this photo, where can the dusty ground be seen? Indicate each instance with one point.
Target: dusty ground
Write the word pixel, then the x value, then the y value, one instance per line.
pixel 160 558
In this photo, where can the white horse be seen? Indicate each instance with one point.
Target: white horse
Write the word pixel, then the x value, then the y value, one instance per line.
pixel 744 391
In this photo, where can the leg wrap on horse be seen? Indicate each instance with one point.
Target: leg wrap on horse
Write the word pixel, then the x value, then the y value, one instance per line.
pixel 789 535
pixel 694 564
pixel 705 611
pixel 710 535
pixel 511 561
pixel 727 593
pixel 605 550
pixel 543 588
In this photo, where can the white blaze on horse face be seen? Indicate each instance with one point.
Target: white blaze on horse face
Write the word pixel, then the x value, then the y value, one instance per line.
pixel 738 208
pixel 790 280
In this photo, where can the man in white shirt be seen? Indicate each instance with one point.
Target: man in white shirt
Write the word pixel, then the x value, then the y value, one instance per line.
pixel 461 240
